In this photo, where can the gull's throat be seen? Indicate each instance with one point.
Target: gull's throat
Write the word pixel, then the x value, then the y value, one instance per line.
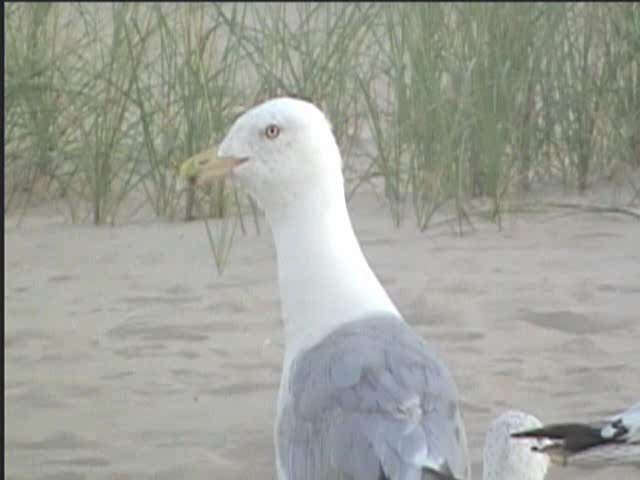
pixel 324 278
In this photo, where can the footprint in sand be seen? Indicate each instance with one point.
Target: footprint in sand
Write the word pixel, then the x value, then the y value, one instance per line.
pixel 570 322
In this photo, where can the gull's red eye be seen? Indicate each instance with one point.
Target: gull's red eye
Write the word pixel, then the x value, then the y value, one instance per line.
pixel 272 131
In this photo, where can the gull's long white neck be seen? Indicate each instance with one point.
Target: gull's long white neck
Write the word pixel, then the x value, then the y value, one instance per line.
pixel 324 277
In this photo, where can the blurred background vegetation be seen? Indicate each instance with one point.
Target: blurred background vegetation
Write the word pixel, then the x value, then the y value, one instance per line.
pixel 435 106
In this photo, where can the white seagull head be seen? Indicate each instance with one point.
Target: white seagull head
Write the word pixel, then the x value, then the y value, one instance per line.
pixel 510 458
pixel 283 152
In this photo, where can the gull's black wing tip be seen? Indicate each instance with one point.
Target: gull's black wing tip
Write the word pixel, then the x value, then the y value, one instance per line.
pixel 574 437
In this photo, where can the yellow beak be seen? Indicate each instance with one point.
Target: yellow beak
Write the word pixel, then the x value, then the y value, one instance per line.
pixel 205 167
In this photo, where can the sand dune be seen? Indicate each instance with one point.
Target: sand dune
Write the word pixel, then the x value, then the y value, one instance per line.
pixel 129 357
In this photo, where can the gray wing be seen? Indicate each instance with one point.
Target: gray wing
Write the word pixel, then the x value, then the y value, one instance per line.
pixel 370 402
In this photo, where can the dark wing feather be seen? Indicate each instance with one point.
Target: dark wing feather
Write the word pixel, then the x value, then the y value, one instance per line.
pixel 575 437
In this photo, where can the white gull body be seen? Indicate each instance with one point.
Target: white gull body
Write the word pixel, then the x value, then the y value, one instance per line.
pixel 361 397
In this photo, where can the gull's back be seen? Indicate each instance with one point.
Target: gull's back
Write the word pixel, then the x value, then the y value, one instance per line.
pixel 371 402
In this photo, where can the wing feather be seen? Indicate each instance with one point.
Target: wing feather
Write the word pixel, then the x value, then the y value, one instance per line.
pixel 371 401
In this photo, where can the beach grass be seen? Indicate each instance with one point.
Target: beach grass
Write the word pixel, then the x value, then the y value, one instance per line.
pixel 433 105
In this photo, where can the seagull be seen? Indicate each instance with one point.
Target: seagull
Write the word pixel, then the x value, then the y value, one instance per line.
pixel 506 458
pixel 615 441
pixel 361 397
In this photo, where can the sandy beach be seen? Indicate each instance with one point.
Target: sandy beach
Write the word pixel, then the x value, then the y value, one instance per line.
pixel 127 356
